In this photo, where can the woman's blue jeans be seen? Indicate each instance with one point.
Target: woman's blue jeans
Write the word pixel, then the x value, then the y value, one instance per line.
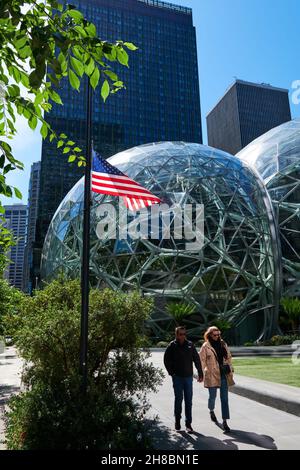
pixel 223 396
pixel 183 387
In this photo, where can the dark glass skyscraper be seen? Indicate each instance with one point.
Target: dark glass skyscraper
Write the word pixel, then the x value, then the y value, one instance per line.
pixel 245 112
pixel 16 221
pixel 161 100
pixel 33 197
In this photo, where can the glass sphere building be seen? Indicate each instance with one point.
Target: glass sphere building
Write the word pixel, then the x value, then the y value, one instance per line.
pixel 234 276
pixel 276 157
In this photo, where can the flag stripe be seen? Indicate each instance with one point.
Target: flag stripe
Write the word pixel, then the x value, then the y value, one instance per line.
pixel 128 203
pixel 115 182
pixel 123 192
pixel 107 179
pixel 117 178
pixel 135 204
pixel 113 175
pixel 121 187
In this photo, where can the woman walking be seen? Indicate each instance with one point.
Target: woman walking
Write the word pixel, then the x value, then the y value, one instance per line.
pixel 218 372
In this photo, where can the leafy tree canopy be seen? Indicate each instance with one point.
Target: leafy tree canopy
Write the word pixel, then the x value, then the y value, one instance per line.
pixel 10 305
pixel 7 240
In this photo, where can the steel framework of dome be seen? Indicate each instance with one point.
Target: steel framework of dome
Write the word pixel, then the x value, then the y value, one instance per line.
pixel 276 156
pixel 234 276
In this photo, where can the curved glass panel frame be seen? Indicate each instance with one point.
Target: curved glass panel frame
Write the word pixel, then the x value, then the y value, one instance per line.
pixel 276 157
pixel 234 276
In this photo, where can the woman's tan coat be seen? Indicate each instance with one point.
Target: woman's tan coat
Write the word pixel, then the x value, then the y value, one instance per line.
pixel 210 366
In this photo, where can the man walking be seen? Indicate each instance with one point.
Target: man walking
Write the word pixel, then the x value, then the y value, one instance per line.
pixel 178 359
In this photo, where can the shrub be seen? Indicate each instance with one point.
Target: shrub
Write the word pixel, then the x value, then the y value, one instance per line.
pixel 291 308
pixel 11 300
pixel 222 323
pixel 53 413
pixel 180 311
pixel 2 344
pixel 146 342
pixel 162 344
pixel 279 340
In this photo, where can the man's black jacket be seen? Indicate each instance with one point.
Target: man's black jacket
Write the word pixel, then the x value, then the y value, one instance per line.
pixel 178 359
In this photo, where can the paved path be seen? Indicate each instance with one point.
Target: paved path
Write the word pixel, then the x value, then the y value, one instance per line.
pixel 10 369
pixel 254 426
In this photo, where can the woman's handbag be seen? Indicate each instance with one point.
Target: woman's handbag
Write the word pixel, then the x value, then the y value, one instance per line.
pixel 226 369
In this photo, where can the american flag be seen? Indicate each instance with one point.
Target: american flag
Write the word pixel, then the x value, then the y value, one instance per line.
pixel 107 179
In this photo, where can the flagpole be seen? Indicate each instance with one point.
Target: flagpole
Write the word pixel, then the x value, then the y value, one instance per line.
pixel 86 244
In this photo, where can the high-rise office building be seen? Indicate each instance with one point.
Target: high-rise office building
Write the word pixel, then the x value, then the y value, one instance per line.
pixel 161 100
pixel 33 195
pixel 245 112
pixel 16 221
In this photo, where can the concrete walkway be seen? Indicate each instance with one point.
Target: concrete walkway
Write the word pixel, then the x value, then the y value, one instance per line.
pixel 254 425
pixel 10 379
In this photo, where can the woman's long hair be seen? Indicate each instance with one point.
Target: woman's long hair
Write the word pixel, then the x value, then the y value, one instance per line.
pixel 207 338
pixel 209 332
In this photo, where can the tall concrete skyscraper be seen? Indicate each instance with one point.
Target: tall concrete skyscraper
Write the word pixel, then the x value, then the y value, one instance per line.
pixel 33 198
pixel 16 221
pixel 245 112
pixel 161 100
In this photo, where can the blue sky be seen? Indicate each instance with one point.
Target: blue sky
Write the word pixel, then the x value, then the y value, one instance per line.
pixel 254 40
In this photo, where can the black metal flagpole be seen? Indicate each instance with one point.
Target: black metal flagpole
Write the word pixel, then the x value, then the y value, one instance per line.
pixel 86 244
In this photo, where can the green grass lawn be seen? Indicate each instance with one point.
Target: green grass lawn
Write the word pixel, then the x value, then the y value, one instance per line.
pixel 280 370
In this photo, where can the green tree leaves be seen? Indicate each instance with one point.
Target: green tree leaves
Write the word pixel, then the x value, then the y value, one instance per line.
pixel 130 46
pixel 91 30
pixel 55 97
pixel 77 15
pixel 111 75
pixel 94 79
pixel 18 193
pixel 77 66
pixel 105 90
pixel 74 80
pixel 32 122
pixel 44 130
pixel 90 67
pixel 122 56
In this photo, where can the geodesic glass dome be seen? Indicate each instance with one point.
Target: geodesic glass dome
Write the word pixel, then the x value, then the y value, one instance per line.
pixel 233 276
pixel 276 156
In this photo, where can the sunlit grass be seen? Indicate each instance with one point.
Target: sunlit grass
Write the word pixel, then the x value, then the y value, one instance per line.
pixel 280 370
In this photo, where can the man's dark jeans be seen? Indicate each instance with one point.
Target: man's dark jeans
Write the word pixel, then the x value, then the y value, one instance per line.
pixel 183 387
